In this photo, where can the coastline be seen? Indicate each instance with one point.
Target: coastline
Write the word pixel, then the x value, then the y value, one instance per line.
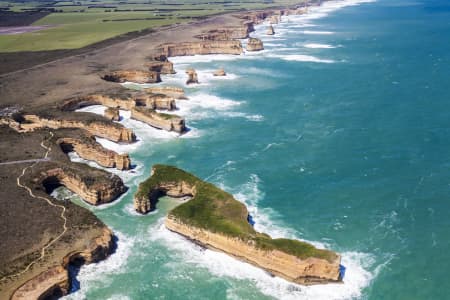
pixel 90 81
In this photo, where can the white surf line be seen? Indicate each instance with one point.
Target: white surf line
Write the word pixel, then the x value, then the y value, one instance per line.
pixel 63 211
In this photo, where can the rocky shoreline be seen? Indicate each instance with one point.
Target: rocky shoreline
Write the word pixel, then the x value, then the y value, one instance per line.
pixel 95 83
pixel 215 220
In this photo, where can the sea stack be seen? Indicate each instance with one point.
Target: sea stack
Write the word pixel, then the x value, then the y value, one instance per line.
pixel 255 44
pixel 270 30
pixel 220 72
pixel 192 76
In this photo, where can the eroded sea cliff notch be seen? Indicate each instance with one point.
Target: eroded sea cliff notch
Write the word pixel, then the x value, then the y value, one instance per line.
pixel 214 219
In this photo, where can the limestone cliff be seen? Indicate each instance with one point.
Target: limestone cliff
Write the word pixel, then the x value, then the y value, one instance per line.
pixel 214 219
pixel 159 120
pixel 254 44
pixel 89 149
pixel 124 101
pixel 161 65
pixel 303 271
pixel 112 113
pixel 170 91
pixel 93 186
pixel 201 48
pixel 192 76
pixel 228 33
pixel 56 280
pixel 111 131
pixel 133 76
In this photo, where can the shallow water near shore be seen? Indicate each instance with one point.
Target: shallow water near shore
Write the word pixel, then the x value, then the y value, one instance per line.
pixel 337 134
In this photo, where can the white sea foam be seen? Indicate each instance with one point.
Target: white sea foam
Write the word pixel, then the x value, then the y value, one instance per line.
pixel 303 58
pixel 319 46
pixel 97 274
pixel 222 265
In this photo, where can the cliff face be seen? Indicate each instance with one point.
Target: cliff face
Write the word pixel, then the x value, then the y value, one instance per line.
pixel 89 149
pixel 306 272
pixel 156 101
pixel 133 76
pixel 111 131
pixel 146 203
pixel 56 280
pixel 103 188
pixel 214 219
pixel 127 102
pixel 170 91
pixel 255 44
pixel 201 48
pixel 162 67
pixel 158 120
pixel 112 114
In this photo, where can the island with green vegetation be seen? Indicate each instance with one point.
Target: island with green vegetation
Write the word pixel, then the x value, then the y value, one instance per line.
pixel 214 219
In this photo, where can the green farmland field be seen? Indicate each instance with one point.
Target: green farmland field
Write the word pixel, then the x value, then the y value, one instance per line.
pixel 80 23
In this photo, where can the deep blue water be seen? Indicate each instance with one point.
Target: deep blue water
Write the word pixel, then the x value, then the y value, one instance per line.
pixel 338 133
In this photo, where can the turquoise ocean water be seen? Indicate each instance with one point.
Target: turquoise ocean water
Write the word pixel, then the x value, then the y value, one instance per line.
pixel 338 133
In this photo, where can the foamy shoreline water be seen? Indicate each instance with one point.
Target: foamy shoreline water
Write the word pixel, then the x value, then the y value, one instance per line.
pixel 199 107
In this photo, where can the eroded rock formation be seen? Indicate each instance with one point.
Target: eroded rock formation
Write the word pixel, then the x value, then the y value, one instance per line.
pixel 133 76
pixel 88 148
pixel 124 101
pixel 56 280
pixel 112 113
pixel 159 120
pixel 92 185
pixel 270 30
pixel 170 91
pixel 220 72
pixel 228 33
pixel 109 130
pixel 303 271
pixel 161 65
pixel 254 44
pixel 214 219
pixel 201 48
pixel 192 76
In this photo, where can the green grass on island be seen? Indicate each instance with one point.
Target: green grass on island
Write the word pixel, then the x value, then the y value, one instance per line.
pixel 76 24
pixel 217 211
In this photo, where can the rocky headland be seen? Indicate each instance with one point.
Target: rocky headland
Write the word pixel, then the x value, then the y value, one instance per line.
pixel 42 236
pixel 214 219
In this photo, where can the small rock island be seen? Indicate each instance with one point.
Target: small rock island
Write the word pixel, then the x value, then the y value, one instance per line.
pixel 213 219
